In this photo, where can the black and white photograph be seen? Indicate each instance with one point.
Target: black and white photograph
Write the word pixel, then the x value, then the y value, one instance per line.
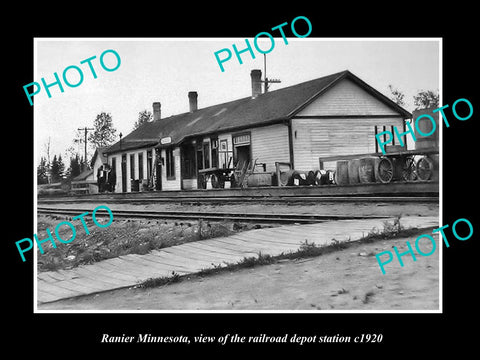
pixel 297 180
pixel 240 179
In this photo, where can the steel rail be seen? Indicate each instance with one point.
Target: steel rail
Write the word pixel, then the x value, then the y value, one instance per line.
pixel 196 215
pixel 238 199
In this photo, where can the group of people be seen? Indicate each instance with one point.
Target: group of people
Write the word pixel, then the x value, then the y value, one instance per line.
pixel 106 179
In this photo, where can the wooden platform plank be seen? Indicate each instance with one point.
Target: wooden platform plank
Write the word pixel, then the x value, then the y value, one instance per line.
pixel 123 272
pixel 193 254
pixel 279 238
pixel 168 263
pixel 46 297
pixel 179 254
pixel 113 271
pixel 270 245
pixel 136 263
pixel 123 266
pixel 236 244
pixel 247 243
pixel 219 256
pixel 54 291
pixel 217 249
pixel 72 286
pixel 55 275
pixel 47 277
pixel 154 262
pixel 101 275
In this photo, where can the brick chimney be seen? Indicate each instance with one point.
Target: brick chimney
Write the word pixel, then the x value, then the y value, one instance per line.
pixel 156 111
pixel 256 76
pixel 192 100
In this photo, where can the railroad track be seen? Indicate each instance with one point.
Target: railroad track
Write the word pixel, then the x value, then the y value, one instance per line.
pixel 239 199
pixel 400 191
pixel 196 215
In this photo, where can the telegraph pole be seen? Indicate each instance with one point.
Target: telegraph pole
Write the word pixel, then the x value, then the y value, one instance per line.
pixel 86 130
pixel 267 81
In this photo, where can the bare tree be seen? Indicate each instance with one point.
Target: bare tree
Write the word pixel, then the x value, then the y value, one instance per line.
pixel 396 96
pixel 47 150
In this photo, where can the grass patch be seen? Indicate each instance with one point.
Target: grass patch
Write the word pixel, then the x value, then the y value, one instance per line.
pixel 124 237
pixel 163 280
pixel 390 230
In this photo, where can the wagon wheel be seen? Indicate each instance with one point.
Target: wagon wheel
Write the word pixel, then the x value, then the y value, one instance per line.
pixel 216 183
pixel 409 169
pixel 385 170
pixel 202 183
pixel 424 168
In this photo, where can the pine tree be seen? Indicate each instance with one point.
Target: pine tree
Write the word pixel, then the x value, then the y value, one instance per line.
pixel 57 169
pixel 74 169
pixel 61 167
pixel 42 171
pixel 143 117
pixel 54 171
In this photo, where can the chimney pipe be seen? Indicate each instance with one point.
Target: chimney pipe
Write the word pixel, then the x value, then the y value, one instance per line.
pixel 256 76
pixel 192 100
pixel 156 111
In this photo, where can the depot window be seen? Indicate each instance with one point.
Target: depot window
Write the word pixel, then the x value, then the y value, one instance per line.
pixel 140 166
pixel 170 164
pixel 132 166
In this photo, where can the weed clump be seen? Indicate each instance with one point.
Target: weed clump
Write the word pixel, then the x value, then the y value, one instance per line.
pixel 163 280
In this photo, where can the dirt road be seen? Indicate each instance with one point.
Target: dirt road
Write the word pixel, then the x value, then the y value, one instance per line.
pixel 348 279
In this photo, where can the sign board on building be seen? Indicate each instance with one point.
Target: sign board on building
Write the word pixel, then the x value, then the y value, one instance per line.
pixel 241 140
pixel 166 140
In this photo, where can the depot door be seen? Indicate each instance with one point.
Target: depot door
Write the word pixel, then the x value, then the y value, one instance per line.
pixel 242 152
pixel 158 173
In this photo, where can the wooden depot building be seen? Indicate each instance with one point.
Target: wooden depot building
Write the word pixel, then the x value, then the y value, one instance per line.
pixel 333 115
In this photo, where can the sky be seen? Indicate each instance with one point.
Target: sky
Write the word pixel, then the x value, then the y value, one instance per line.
pixel 165 70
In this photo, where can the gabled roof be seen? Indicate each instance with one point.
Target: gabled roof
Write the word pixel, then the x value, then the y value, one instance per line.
pixel 99 152
pixel 83 175
pixel 271 107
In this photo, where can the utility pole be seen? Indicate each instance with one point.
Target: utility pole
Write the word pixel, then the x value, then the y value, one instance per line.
pixel 86 130
pixel 267 81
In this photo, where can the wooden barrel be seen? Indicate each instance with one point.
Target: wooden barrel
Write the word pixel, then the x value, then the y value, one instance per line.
pixel 366 172
pixel 321 177
pixel 341 175
pixel 330 176
pixel 353 166
pixel 299 178
pixel 311 178
pixel 376 160
pixel 286 178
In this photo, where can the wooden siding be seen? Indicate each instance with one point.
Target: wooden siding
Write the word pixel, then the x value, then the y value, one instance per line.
pixel 270 144
pixel 314 138
pixel 174 184
pixel 346 98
